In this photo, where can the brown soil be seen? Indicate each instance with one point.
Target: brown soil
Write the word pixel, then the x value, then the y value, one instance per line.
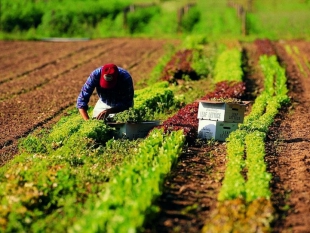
pixel 40 81
pixel 289 144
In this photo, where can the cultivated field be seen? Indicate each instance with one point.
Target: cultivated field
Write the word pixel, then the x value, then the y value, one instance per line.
pixel 40 81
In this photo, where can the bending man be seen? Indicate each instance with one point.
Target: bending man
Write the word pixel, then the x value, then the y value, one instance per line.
pixel 114 86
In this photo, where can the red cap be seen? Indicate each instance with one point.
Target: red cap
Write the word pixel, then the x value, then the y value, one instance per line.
pixel 109 75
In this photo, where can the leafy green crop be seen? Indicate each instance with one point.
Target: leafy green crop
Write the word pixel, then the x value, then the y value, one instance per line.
pixel 246 181
pixel 234 183
pixel 149 101
pixel 257 185
pixel 122 205
pixel 228 66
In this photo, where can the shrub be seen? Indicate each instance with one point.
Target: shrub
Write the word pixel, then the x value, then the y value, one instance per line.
pixel 190 19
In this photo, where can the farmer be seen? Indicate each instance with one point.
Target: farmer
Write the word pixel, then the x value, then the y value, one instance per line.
pixel 114 86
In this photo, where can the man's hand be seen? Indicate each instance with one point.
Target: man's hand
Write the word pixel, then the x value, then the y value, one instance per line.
pixel 103 114
pixel 84 113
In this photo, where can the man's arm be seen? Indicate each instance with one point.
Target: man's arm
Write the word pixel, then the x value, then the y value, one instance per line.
pixel 86 92
pixel 84 113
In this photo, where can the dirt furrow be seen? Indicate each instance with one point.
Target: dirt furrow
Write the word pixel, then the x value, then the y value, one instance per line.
pixel 289 159
pixel 190 191
pixel 53 70
pixel 39 55
pixel 12 48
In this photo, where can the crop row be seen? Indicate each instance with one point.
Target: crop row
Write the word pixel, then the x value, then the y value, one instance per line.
pixel 149 101
pixel 228 67
pixel 250 196
pixel 300 59
pixel 61 173
pixel 127 198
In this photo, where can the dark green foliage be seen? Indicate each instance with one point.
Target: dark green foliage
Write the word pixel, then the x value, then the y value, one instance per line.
pixel 190 19
pixel 104 18
pixel 78 18
pixel 21 18
pixel 57 18
pixel 139 19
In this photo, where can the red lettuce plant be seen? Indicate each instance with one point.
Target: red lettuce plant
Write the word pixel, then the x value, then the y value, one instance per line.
pixel 186 117
pixel 179 65
pixel 264 46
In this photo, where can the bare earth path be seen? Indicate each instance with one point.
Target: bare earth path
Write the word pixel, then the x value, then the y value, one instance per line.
pixel 39 82
pixel 290 139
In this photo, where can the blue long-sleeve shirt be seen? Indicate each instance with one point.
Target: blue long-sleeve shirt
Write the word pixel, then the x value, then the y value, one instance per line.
pixel 121 96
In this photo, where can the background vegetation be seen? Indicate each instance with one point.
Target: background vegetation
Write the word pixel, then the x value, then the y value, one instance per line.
pixel 37 19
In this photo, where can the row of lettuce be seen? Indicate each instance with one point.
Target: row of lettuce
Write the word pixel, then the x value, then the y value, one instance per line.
pixel 76 170
pixel 75 178
pixel 244 199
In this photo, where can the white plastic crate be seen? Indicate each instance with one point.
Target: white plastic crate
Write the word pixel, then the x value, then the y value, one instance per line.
pixel 133 130
pixel 221 111
pixel 218 130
